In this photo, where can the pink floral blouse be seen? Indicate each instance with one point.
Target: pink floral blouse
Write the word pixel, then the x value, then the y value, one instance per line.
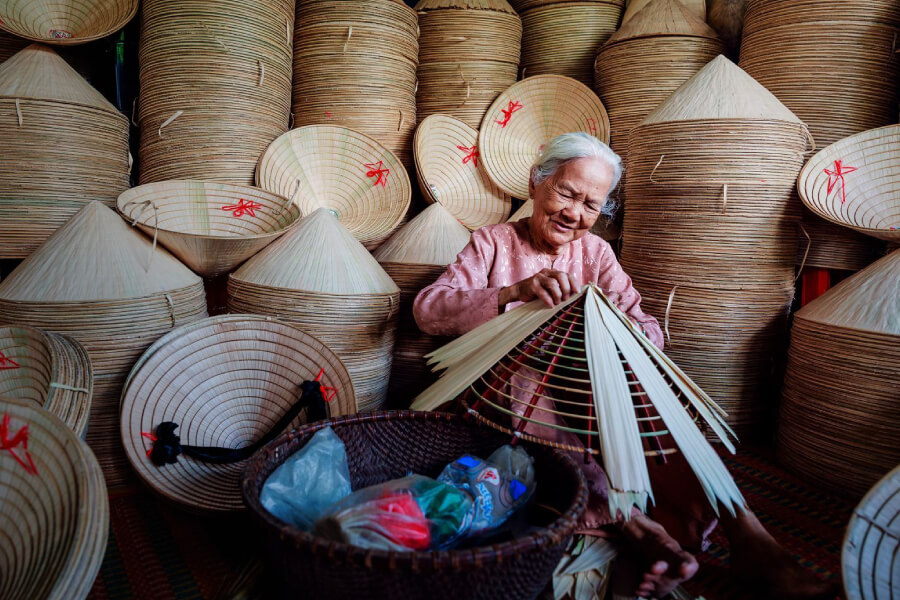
pixel 466 295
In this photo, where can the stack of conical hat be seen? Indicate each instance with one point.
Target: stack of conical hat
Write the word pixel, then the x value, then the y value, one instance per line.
pixel 646 60
pixel 840 411
pixel 468 54
pixel 321 279
pixel 581 376
pixel 561 38
pixel 355 65
pixel 65 21
pixel 64 145
pixel 451 173
pixel 215 84
pixel 354 176
pixel 834 64
pixel 54 511
pixel 212 227
pixel 710 233
pixel 855 182
pixel 10 44
pixel 415 257
pixel 696 8
pixel 103 283
pixel 50 370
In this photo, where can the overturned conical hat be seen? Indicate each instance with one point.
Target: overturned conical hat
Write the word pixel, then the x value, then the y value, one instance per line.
pixel 721 91
pixel 434 237
pixel 663 17
pixel 583 358
pixel 450 172
pixel 325 166
pixel 318 255
pixel 495 5
pixel 855 182
pixel 65 22
pixel 95 256
pixel 867 301
pixel 39 73
pixel 696 8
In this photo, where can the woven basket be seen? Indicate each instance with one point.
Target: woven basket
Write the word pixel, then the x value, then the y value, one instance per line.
pixel 828 62
pixel 49 370
pixel 42 98
pixel 839 412
pixel 648 59
pixel 226 381
pixel 869 559
pixel 337 293
pixel 383 446
pixel 102 283
pixel 710 245
pixel 214 86
pixel 211 227
pixel 697 9
pixel 562 38
pixel 450 173
pixel 54 521
pixel 528 115
pixel 355 66
pixel 414 258
pixel 65 22
pixel 352 175
pixel 468 54
pixel 854 182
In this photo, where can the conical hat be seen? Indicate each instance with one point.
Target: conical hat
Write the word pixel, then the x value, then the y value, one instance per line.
pixel 496 361
pixel 855 182
pixel 663 17
pixel 697 9
pixel 450 172
pixel 721 90
pixel 325 166
pixel 318 255
pixel 867 301
pixel 494 5
pixel 39 73
pixel 434 237
pixel 96 256
pixel 65 22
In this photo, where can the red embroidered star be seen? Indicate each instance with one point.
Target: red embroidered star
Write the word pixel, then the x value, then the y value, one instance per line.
pixel 472 155
pixel 592 126
pixel 20 439
pixel 243 207
pixel 7 363
pixel 838 175
pixel 377 170
pixel 508 112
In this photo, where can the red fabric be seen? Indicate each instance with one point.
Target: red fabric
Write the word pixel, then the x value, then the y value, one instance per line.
pixel 815 283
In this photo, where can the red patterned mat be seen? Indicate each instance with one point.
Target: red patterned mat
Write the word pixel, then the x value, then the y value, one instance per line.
pixel 158 552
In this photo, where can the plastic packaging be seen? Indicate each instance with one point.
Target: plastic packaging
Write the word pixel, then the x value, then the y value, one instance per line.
pixel 300 490
pixel 499 485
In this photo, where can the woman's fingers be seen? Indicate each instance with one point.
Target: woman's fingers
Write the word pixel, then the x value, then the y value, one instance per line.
pixel 550 284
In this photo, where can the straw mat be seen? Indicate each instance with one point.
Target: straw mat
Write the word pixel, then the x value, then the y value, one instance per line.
pixel 319 278
pixel 65 22
pixel 450 172
pixel 212 227
pixel 840 407
pixel 528 115
pixel 54 515
pixel 226 381
pixel 49 370
pixel 855 182
pixel 43 184
pixel 326 166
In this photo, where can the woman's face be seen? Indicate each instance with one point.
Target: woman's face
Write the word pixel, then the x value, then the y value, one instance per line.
pixel 568 203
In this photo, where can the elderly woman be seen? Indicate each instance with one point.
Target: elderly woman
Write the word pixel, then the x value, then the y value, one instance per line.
pixel 551 256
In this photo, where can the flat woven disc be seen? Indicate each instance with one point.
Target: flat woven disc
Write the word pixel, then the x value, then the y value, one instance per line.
pixel 529 114
pixel 451 172
pixel 855 182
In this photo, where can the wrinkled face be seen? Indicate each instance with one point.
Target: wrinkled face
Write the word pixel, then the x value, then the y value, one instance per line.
pixel 568 203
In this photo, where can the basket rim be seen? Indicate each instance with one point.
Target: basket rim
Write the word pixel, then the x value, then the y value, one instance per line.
pixel 480 557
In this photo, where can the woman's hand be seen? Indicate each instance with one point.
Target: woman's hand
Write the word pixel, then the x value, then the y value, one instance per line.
pixel 549 285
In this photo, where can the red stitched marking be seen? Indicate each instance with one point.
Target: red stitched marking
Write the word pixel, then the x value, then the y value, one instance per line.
pixel 20 439
pixel 838 175
pixel 508 112
pixel 243 207
pixel 7 363
pixel 378 170
pixel 472 155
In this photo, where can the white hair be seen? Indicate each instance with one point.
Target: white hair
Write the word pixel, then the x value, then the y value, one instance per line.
pixel 570 146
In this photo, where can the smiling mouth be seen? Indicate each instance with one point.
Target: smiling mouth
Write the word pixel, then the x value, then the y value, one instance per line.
pixel 561 227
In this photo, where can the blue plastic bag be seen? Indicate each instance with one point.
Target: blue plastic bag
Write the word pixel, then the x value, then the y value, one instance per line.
pixel 309 481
